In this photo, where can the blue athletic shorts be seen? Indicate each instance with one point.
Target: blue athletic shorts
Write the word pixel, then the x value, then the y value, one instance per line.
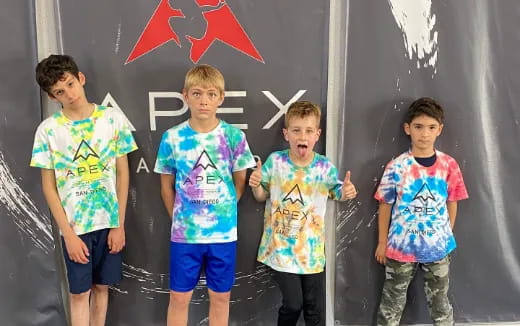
pixel 103 267
pixel 187 260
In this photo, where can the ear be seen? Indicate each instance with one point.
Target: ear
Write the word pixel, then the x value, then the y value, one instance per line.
pixel 440 129
pixel 406 127
pixel 285 134
pixel 318 133
pixel 221 100
pixel 82 78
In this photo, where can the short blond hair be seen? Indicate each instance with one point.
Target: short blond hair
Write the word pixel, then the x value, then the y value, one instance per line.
pixel 205 76
pixel 302 109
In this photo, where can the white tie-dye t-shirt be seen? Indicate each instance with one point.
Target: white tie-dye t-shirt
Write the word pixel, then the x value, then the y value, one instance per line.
pixel 205 206
pixel 420 228
pixel 294 220
pixel 83 156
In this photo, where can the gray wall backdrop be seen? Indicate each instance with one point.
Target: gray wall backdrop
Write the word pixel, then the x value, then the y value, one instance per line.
pixel 29 282
pixel 463 53
pixel 294 54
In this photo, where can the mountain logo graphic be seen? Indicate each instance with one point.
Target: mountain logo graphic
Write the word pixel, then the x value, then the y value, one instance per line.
pixel 221 25
pixel 294 195
pixel 424 194
pixel 84 151
pixel 204 161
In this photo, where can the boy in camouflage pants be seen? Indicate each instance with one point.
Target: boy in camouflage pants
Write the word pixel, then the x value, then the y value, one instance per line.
pixel 418 197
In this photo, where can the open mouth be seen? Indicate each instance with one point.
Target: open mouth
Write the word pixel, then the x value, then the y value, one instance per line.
pixel 302 149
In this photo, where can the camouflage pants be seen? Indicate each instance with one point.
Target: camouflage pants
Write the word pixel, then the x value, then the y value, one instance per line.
pixel 436 284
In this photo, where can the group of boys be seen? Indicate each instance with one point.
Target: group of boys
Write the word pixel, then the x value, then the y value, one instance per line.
pixel 82 152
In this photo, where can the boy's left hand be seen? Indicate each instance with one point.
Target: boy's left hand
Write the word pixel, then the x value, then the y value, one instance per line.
pixel 348 191
pixel 116 240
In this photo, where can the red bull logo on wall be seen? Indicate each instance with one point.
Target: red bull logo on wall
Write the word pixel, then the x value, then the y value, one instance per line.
pixel 222 25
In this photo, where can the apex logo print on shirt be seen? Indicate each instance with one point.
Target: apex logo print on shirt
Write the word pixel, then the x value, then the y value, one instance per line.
pixel 87 163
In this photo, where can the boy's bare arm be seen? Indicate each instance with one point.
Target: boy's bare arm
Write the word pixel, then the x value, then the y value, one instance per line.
pixel 254 182
pixel 168 192
pixel 76 248
pixel 239 179
pixel 452 212
pixel 383 224
pixel 116 236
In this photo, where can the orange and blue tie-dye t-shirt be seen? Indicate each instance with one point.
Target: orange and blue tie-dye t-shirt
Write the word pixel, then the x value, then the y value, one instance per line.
pixel 205 207
pixel 293 240
pixel 420 228
pixel 83 156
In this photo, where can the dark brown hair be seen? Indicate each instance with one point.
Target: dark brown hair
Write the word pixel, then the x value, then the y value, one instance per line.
pixel 53 68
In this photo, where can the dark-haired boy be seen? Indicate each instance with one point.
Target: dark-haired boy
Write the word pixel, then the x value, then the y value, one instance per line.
pixel 81 151
pixel 418 197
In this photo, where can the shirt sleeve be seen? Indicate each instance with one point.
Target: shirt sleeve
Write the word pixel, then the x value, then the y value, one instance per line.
pixel 267 168
pixel 456 187
pixel 41 153
pixel 165 162
pixel 242 156
pixel 334 184
pixel 386 191
pixel 125 142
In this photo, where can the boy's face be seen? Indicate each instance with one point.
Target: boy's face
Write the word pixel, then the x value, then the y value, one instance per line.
pixel 203 102
pixel 69 90
pixel 423 131
pixel 302 134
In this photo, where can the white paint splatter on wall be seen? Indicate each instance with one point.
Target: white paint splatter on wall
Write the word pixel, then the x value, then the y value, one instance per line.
pixel 417 24
pixel 26 216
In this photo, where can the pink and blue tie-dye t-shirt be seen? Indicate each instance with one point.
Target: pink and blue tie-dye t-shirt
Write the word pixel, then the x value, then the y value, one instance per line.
pixel 293 240
pixel 205 207
pixel 420 228
pixel 83 156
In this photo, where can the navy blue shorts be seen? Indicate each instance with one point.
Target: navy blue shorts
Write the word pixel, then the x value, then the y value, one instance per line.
pixel 187 259
pixel 103 267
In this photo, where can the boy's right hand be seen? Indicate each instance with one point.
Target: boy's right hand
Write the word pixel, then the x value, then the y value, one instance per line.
pixel 76 249
pixel 256 176
pixel 381 253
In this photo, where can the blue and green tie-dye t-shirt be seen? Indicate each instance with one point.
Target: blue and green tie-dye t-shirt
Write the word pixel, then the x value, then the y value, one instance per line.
pixel 294 221
pixel 205 207
pixel 83 156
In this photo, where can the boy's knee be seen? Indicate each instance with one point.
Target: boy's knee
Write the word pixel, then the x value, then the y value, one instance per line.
pixel 292 305
pixel 219 298
pixel 99 289
pixel 79 297
pixel 180 299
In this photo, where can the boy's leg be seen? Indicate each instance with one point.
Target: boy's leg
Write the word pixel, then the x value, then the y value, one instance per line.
pixel 107 269
pixel 436 284
pixel 80 282
pixel 292 298
pixel 178 308
pixel 220 276
pixel 79 309
pixel 218 308
pixel 398 276
pixel 98 305
pixel 185 263
pixel 312 288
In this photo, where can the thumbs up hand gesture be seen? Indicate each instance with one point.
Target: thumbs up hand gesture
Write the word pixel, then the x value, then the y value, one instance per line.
pixel 256 176
pixel 348 191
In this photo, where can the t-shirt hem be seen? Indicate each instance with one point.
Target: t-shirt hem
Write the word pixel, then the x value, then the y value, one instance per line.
pixel 203 241
pixel 422 261
pixel 97 228
pixel 289 270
